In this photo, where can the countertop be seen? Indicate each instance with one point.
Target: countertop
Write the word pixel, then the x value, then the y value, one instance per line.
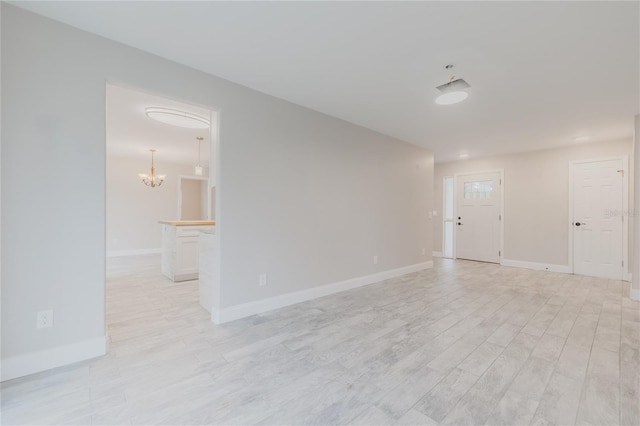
pixel 188 222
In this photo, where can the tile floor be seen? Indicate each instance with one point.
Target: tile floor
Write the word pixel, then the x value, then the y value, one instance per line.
pixel 463 343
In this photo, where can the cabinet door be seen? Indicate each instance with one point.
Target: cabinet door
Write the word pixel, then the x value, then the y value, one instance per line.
pixel 186 255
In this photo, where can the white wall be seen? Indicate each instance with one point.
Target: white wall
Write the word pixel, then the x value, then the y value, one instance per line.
pixel 536 194
pixel 204 199
pixel 133 209
pixel 191 200
pixel 304 197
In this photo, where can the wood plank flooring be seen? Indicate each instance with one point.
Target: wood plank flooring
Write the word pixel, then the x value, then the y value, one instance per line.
pixel 463 343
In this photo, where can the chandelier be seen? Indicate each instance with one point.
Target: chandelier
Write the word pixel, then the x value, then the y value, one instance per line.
pixel 152 180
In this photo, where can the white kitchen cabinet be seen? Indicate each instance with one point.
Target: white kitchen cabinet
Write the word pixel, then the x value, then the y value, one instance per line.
pixel 180 248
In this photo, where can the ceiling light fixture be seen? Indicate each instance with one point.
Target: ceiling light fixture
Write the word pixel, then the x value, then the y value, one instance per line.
pixel 152 180
pixel 581 138
pixel 463 155
pixel 453 91
pixel 177 118
pixel 451 98
pixel 198 170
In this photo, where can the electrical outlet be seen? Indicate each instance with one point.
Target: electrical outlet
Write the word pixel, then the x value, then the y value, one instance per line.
pixel 262 280
pixel 44 319
pixel 375 260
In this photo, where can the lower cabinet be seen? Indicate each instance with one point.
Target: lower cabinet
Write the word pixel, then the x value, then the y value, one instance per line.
pixel 180 251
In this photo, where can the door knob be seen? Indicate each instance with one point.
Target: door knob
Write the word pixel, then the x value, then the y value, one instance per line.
pixel 578 223
pixel 459 223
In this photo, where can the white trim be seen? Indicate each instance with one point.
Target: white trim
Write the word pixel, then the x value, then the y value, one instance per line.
pixel 139 252
pixel 455 207
pixel 625 276
pixel 634 293
pixel 231 313
pixel 34 362
pixel 215 159
pixel 563 269
pixel 436 254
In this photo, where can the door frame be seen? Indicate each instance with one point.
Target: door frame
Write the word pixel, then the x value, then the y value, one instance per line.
pixel 625 208
pixel 455 208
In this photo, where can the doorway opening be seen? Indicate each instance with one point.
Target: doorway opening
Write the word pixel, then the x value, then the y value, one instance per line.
pixel 158 206
pixel 598 231
pixel 478 216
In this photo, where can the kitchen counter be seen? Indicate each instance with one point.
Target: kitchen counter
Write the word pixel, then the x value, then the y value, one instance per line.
pixel 188 222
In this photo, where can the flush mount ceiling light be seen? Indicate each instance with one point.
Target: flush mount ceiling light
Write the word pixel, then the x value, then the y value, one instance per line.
pixel 463 155
pixel 451 98
pixel 581 139
pixel 177 118
pixel 453 91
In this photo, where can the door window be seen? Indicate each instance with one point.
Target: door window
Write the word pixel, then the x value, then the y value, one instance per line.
pixel 478 190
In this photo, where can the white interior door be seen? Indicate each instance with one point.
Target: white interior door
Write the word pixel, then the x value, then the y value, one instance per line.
pixel 597 218
pixel 477 218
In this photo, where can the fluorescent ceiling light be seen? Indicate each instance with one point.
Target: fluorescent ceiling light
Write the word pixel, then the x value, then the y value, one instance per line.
pixel 451 98
pixel 177 118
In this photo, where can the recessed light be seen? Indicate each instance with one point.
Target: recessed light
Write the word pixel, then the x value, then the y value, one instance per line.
pixel 177 118
pixel 581 138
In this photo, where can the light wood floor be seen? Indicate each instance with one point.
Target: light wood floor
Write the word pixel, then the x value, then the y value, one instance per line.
pixel 464 343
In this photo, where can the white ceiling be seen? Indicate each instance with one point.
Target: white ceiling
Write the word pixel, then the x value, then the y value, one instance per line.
pixel 130 133
pixel 541 73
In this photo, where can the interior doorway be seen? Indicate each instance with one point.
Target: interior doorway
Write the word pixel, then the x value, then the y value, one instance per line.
pixel 478 216
pixel 161 170
pixel 598 201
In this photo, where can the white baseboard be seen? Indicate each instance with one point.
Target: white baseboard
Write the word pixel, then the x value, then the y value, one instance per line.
pixel 231 313
pixel 35 362
pixel 139 252
pixel 564 269
pixel 436 254
pixel 634 293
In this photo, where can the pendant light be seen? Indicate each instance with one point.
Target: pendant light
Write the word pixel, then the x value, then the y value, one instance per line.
pixel 152 180
pixel 198 168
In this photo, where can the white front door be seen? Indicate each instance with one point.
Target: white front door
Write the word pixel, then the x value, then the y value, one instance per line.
pixel 477 217
pixel 597 218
